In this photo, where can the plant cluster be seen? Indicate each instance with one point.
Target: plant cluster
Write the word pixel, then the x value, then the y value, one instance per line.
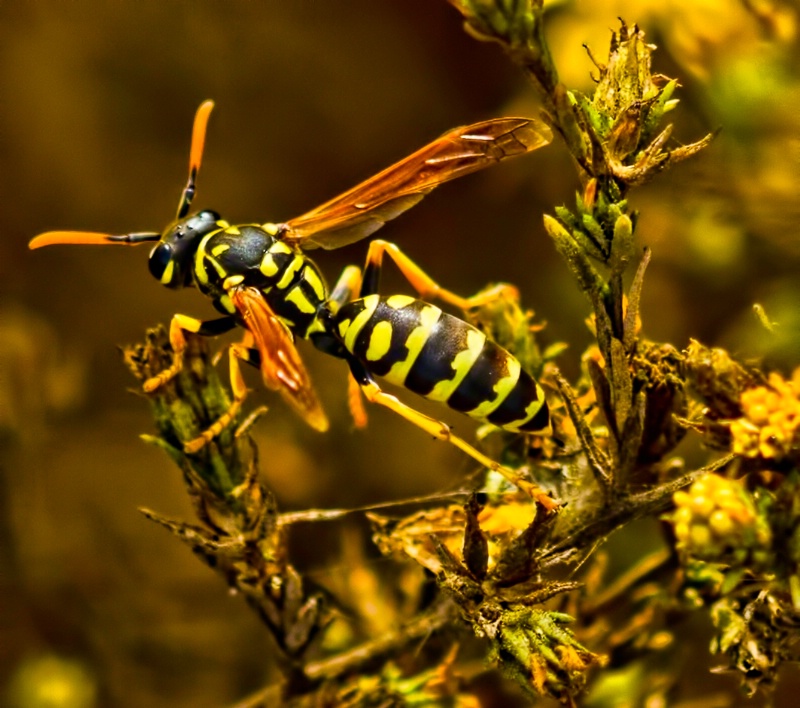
pixel 526 581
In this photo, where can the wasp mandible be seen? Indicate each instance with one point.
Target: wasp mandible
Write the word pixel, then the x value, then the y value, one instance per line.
pixel 259 278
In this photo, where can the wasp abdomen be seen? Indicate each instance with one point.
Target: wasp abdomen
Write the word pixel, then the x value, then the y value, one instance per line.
pixel 414 344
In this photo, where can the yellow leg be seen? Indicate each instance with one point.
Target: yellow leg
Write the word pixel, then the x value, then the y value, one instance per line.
pixel 441 431
pixel 426 286
pixel 346 288
pixel 356 403
pixel 236 352
pixel 177 326
pixel 250 421
pixel 344 291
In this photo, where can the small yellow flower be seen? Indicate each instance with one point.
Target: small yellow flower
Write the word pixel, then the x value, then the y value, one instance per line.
pixel 770 426
pixel 717 517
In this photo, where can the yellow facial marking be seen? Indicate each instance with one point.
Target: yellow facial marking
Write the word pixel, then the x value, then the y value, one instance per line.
pixel 312 278
pixel 502 388
pixel 166 276
pixel 291 270
pixel 233 231
pixel 268 266
pixel 370 303
pixel 296 297
pixel 232 281
pixel 379 341
pixel 429 316
pixel 220 248
pixel 396 302
pixel 462 363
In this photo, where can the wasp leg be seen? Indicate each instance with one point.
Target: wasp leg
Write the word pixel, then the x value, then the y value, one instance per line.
pixel 236 353
pixel 250 421
pixel 343 292
pixel 442 431
pixel 177 326
pixel 345 289
pixel 355 402
pixel 426 286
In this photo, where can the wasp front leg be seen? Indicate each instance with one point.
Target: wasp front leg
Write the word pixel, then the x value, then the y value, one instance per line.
pixel 442 431
pixel 236 353
pixel 177 326
pixel 426 286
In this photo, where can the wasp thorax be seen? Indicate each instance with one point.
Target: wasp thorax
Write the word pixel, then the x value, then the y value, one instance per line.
pixel 171 260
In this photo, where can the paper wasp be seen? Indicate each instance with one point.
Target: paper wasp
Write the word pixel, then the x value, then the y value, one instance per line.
pixel 259 278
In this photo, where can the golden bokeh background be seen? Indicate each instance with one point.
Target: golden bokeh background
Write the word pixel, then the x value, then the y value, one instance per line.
pixel 97 100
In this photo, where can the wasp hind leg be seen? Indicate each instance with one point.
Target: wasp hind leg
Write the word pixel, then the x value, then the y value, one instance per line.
pixel 426 286
pixel 236 353
pixel 442 431
pixel 177 326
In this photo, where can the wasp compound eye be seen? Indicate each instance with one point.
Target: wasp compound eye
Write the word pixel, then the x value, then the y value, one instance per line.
pixel 161 263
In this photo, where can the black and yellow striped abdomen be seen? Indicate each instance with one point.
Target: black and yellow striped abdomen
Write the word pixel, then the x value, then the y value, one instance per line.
pixel 414 344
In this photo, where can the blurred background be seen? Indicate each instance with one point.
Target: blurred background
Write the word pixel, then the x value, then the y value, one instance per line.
pixel 97 104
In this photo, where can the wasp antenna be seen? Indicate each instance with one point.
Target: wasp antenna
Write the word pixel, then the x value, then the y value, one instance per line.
pixel 195 155
pixel 135 239
pixel 52 238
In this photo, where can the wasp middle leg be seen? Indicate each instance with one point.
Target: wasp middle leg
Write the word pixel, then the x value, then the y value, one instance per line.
pixel 423 283
pixel 349 283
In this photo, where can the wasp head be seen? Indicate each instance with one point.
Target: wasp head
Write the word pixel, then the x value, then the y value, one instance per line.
pixel 171 259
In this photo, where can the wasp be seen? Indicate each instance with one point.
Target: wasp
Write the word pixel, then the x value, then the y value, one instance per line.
pixel 259 277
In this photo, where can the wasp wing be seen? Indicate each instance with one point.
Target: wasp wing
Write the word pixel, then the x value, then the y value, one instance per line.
pixel 282 369
pixel 362 210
